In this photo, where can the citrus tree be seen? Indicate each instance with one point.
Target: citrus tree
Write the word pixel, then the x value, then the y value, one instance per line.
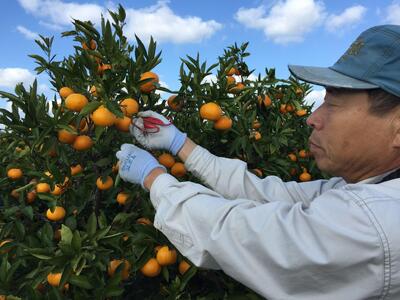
pixel 69 227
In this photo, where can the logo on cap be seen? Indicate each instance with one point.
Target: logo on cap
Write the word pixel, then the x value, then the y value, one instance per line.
pixel 354 49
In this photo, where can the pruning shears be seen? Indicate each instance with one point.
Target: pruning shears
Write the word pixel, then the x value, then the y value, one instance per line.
pixel 151 125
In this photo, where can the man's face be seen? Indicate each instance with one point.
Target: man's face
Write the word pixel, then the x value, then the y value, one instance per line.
pixel 347 140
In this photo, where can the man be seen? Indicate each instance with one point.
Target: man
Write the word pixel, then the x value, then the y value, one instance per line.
pixel 325 239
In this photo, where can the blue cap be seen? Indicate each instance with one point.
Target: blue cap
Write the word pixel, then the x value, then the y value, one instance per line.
pixel 372 61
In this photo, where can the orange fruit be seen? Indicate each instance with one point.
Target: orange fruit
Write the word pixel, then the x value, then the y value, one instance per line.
pixel 93 91
pixel 210 111
pixel 102 116
pixel 299 92
pixel 233 71
pixel 66 137
pixel 48 174
pixel 151 268
pixel 92 45
pixel 149 86
pixel 292 157
pixel 230 80
pixel 102 68
pixel 82 142
pixel 123 124
pixel 165 256
pixel 104 185
pixel 76 169
pixel 2 243
pixel 279 94
pixel 129 107
pixel 256 124
pixel 113 265
pixel 266 100
pixel 183 267
pixel 178 169
pixel 115 168
pixel 256 135
pixel 65 92
pixel 122 197
pixel 237 88
pixel 303 153
pixel 30 197
pixel 57 215
pixel 174 105
pixel 54 279
pixel 305 176
pixel 83 126
pixel 258 172
pixel 166 160
pixel 301 112
pixel 289 107
pixel 57 190
pixel 42 187
pixel 144 221
pixel 223 123
pixel 14 194
pixel 76 102
pixel 282 108
pixel 14 173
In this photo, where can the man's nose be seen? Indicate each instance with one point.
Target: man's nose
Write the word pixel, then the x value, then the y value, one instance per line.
pixel 315 120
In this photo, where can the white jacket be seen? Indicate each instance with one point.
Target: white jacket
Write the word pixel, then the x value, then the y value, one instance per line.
pixel 323 239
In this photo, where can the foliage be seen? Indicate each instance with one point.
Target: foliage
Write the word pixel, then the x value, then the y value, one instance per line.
pixel 96 229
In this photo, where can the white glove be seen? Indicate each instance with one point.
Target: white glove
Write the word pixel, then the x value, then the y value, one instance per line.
pixel 136 163
pixel 157 134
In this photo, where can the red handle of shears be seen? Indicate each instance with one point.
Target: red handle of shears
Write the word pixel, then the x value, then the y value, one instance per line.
pixel 152 125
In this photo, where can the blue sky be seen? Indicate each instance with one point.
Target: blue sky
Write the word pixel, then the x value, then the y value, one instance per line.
pixel 282 32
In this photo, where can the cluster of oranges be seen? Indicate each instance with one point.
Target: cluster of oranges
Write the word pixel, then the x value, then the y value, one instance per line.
pixel 101 116
pixel 233 86
pixel 164 257
pixel 303 154
pixel 177 169
pixel 211 111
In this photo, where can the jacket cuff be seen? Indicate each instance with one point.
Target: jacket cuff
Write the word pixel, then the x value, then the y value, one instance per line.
pixel 159 187
pixel 198 160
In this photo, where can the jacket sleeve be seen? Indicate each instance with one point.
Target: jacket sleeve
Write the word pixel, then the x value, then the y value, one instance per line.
pixel 280 250
pixel 231 179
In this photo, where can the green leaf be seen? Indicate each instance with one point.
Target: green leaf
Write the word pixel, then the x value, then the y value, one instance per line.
pixel 113 291
pixel 28 212
pixel 91 225
pixel 90 107
pixel 80 281
pixel 66 235
pixel 76 241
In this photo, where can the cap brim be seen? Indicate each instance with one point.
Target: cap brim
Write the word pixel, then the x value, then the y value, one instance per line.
pixel 328 77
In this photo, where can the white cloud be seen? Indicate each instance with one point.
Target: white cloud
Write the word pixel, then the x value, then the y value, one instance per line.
pixel 211 79
pixel 252 77
pixel 287 21
pixel 58 13
pixel 30 35
pixel 162 93
pixel 316 97
pixel 393 14
pixel 164 25
pixel 349 17
pixel 9 77
pixel 158 20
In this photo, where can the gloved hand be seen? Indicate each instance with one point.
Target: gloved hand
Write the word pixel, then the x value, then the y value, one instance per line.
pixel 154 136
pixel 136 163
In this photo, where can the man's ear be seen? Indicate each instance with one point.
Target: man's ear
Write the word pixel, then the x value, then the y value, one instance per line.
pixel 396 127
